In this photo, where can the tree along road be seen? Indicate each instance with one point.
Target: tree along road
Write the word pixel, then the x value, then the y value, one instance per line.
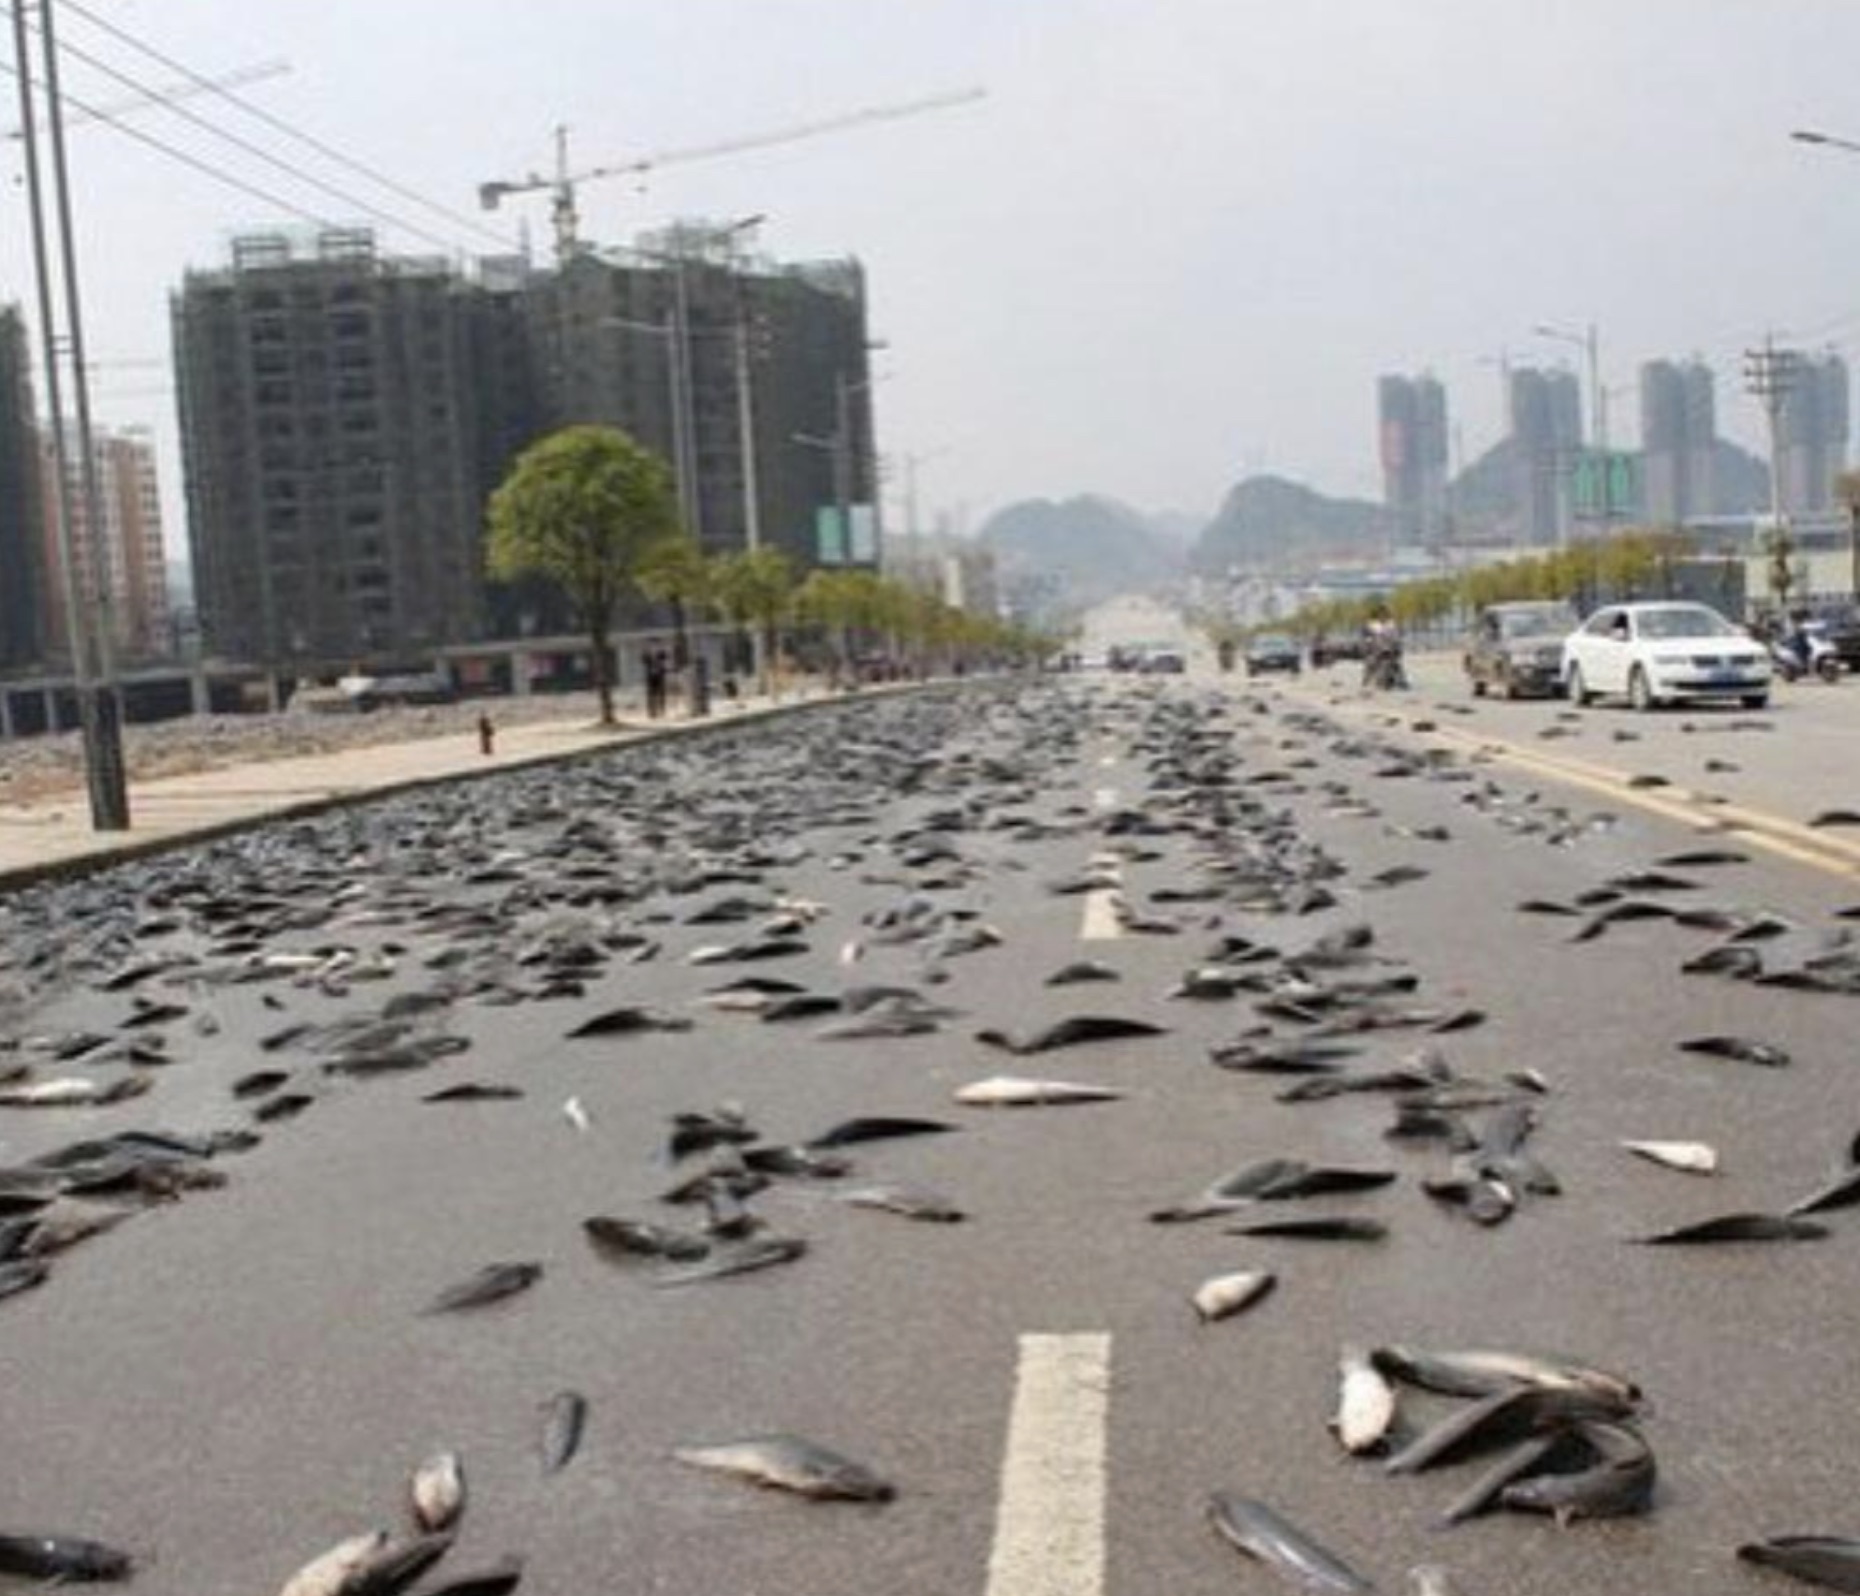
pixel 233 1381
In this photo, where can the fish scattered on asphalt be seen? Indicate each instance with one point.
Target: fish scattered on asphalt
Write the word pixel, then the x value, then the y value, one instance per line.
pixel 743 1257
pixel 437 1490
pixel 1740 1049
pixel 1257 1531
pixel 1015 1091
pixel 791 1463
pixel 1617 1483
pixel 1694 1158
pixel 1366 1403
pixel 498 1579
pixel 1739 1227
pixel 1501 1418
pixel 1223 1296
pixel 336 1571
pixel 1072 1031
pixel 873 1128
pixel 1327 1227
pixel 631 1239
pixel 492 1283
pixel 913 1202
pixel 63 1559
pixel 1830 1561
pixel 565 1419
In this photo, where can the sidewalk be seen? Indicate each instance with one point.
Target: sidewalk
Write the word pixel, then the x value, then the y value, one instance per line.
pixel 53 836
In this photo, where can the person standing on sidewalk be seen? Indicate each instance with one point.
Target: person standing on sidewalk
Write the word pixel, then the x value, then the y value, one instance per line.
pixel 655 683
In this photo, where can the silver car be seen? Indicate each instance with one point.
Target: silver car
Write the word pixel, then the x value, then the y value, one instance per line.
pixel 1661 653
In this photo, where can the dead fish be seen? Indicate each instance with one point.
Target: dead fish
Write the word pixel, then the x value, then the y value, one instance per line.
pixel 1527 1456
pixel 872 1128
pixel 1082 970
pixel 72 1091
pixel 1618 1483
pixel 1366 1404
pixel 284 1106
pixel 790 1463
pixel 1740 1227
pixel 1258 1532
pixel 1837 817
pixel 66 1221
pixel 1322 1180
pixel 1700 858
pixel 1738 1048
pixel 1396 876
pixel 498 1580
pixel 565 1417
pixel 629 1020
pixel 335 1572
pixel 1330 1227
pixel 880 1023
pixel 913 1202
pixel 392 1567
pixel 1842 1192
pixel 1831 1561
pixel 1503 1417
pixel 1693 1158
pixel 632 1238
pixel 437 1490
pixel 800 1162
pixel 21 1275
pixel 1071 1031
pixel 1230 1191
pixel 473 1092
pixel 1222 1296
pixel 1014 1091
pixel 259 1082
pixel 63 1559
pixel 743 1257
pixel 1429 1579
pixel 798 1006
pixel 492 1283
pixel 1479 1372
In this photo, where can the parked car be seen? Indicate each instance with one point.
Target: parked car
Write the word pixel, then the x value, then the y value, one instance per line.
pixel 1272 651
pixel 1657 653
pixel 1842 629
pixel 1166 661
pixel 1327 650
pixel 1517 649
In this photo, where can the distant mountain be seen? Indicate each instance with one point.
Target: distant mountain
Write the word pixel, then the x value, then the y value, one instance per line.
pixel 1484 495
pixel 1081 550
pixel 1269 523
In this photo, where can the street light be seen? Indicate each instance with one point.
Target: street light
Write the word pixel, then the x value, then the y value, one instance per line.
pixel 1830 140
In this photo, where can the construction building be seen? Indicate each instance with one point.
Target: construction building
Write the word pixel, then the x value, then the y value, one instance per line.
pixel 1412 415
pixel 1679 441
pixel 26 579
pixel 1546 437
pixel 1812 432
pixel 121 558
pixel 346 416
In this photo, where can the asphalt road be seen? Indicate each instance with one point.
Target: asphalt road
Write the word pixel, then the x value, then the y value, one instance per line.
pixel 230 1383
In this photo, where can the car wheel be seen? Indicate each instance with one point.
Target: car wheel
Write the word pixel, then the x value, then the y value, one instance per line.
pixel 1478 685
pixel 1578 694
pixel 1828 668
pixel 1640 691
pixel 1756 701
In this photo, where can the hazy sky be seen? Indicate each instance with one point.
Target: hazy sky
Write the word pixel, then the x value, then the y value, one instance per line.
pixel 1176 243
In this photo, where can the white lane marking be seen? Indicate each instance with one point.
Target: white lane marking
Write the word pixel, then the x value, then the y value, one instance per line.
pixel 1100 923
pixel 1049 1525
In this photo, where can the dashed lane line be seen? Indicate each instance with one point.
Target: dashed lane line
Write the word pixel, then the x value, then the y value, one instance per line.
pixel 1049 1524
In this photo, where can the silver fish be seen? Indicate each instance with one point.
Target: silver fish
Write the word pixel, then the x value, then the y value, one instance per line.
pixel 1015 1091
pixel 565 1416
pixel 1693 1158
pixel 332 1573
pixel 1260 1533
pixel 1222 1296
pixel 790 1463
pixel 1365 1404
pixel 438 1491
pixel 914 1202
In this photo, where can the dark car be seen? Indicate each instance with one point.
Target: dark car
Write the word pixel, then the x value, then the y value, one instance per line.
pixel 1516 650
pixel 1841 627
pixel 1326 650
pixel 1271 651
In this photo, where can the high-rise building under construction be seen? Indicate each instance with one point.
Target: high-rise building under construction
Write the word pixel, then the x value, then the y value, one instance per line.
pixel 1546 436
pixel 1812 432
pixel 1412 415
pixel 1679 441
pixel 346 415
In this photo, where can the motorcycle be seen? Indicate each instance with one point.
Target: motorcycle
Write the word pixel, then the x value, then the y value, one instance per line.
pixel 1792 664
pixel 1382 667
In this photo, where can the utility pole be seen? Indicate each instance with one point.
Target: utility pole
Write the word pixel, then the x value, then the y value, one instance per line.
pixel 1770 373
pixel 88 624
pixel 842 463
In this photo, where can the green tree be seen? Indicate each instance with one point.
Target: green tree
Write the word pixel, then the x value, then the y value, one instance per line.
pixel 754 589
pixel 675 573
pixel 581 507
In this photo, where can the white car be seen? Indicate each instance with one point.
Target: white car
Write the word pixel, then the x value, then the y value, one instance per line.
pixel 1656 653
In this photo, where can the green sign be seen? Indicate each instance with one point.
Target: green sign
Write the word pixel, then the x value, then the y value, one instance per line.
pixel 1606 485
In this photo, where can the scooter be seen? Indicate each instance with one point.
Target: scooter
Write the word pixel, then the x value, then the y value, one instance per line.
pixel 1822 661
pixel 1382 666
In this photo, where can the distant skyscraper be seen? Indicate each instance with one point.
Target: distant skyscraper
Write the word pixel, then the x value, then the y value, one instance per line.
pixel 1546 433
pixel 1678 440
pixel 1813 432
pixel 25 579
pixel 125 550
pixel 1413 426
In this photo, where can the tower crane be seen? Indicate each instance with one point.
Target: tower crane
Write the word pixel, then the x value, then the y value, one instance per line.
pixel 562 183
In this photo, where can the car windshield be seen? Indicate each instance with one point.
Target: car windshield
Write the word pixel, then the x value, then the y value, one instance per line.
pixel 1534 623
pixel 1683 620
pixel 1273 643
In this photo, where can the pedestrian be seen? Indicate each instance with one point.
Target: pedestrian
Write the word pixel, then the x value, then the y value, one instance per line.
pixel 487 734
pixel 655 683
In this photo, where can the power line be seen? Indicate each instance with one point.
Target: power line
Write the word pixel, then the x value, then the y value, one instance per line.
pixel 173 153
pixel 238 141
pixel 328 151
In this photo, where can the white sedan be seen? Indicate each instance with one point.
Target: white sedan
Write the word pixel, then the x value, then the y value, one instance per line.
pixel 1655 653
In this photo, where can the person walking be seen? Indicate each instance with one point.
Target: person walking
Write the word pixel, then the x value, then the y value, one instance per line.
pixel 655 683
